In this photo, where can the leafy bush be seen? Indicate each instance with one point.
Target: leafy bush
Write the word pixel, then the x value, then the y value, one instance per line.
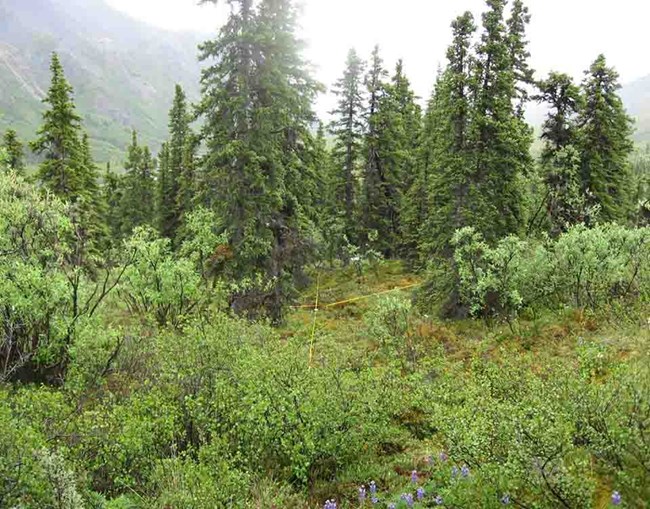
pixel 583 268
pixel 159 285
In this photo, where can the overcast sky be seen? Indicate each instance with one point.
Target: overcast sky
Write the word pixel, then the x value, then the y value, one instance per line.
pixel 565 35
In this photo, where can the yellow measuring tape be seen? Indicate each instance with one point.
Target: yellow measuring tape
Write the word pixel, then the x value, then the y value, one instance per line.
pixel 334 304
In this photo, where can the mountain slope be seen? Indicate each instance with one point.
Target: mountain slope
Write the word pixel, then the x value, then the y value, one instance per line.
pixel 123 71
pixel 636 96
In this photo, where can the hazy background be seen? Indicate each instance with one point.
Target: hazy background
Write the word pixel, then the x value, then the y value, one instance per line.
pixel 564 35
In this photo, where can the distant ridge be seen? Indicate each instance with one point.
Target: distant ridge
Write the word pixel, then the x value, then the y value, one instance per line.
pixel 123 71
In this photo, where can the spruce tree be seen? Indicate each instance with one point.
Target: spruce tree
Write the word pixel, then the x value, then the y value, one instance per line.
pixel 256 106
pixel 392 139
pixel 68 170
pixel 187 183
pixel 501 139
pixel 519 54
pixel 92 207
pixel 560 159
pixel 15 154
pixel 113 192
pixel 605 143
pixel 447 152
pixel 374 216
pixel 179 134
pixel 139 197
pixel 62 170
pixel 348 131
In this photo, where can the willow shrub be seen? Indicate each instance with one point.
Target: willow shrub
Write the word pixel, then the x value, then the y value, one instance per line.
pixel 583 268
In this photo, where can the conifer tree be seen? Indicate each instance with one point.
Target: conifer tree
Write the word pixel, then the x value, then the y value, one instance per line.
pixel 187 183
pixel 179 134
pixel 560 157
pixel 348 130
pixel 374 213
pixel 68 170
pixel 112 191
pixel 138 200
pixel 501 139
pixel 92 207
pixel 15 154
pixel 605 143
pixel 256 103
pixel 417 206
pixel 59 141
pixel 392 139
pixel 519 54
pixel 447 153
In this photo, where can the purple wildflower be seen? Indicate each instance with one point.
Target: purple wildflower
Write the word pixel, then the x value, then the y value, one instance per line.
pixel 391 506
pixel 374 499
pixel 414 476
pixel 420 493
pixel 330 504
pixel 454 471
pixel 362 494
pixel 616 498
pixel 408 498
pixel 438 500
pixel 505 499
pixel 464 471
pixel 443 456
pixel 373 487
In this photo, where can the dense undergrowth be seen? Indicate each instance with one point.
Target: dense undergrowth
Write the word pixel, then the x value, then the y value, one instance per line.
pixel 217 412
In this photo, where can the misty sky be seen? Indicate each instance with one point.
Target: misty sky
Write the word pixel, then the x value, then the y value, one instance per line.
pixel 565 35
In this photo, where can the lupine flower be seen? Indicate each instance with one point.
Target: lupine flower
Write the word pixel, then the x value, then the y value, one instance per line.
pixel 505 499
pixel 408 498
pixel 443 456
pixel 454 471
pixel 414 476
pixel 374 499
pixel 330 504
pixel 362 494
pixel 438 500
pixel 616 498
pixel 420 493
pixel 464 471
pixel 391 506
pixel 373 487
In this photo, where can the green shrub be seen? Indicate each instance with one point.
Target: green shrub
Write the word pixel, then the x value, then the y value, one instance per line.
pixel 583 268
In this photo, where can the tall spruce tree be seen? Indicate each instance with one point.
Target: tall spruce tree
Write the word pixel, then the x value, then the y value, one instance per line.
pixel 560 158
pixel 92 207
pixel 68 170
pixel 179 135
pixel 14 148
pixel 348 131
pixel 519 54
pixel 417 206
pixel 447 157
pixel 187 182
pixel 256 104
pixel 393 136
pixel 62 170
pixel 113 192
pixel 139 196
pixel 374 215
pixel 605 143
pixel 501 139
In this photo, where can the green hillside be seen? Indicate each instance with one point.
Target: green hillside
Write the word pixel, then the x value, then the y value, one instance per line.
pixel 636 96
pixel 123 71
